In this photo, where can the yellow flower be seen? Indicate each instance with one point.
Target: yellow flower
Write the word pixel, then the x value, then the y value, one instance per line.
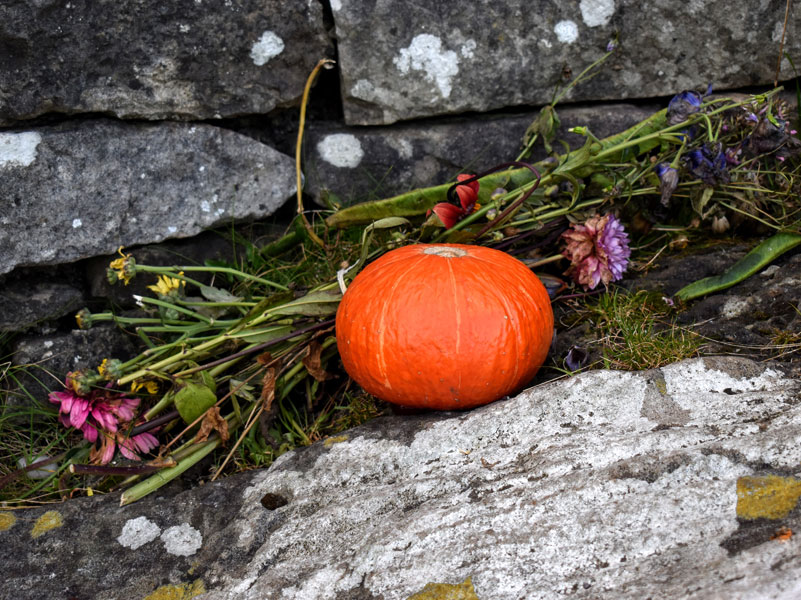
pixel 122 268
pixel 84 318
pixel 151 386
pixel 103 368
pixel 167 286
pixel 110 369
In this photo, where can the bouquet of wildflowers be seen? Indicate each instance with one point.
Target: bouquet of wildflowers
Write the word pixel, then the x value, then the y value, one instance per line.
pixel 245 366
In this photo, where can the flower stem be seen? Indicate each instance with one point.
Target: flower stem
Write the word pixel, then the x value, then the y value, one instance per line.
pixel 173 272
pixel 151 484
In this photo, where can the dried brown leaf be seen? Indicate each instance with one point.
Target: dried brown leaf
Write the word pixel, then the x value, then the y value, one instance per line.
pixel 268 389
pixel 313 362
pixel 162 462
pixel 265 358
pixel 212 421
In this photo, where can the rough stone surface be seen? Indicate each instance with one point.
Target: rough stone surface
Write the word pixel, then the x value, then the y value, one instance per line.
pixel 357 164
pixel 51 357
pixel 23 305
pixel 445 57
pixel 85 188
pixel 607 485
pixel 185 59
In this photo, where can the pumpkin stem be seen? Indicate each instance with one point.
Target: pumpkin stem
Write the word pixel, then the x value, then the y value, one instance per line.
pixel 446 251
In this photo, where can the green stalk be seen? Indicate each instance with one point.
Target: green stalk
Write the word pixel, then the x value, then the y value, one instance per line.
pixel 208 269
pixel 154 482
pixel 145 300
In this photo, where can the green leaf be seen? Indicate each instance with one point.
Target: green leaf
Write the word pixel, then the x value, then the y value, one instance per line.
pixel 314 304
pixel 387 222
pixel 193 400
pixel 700 202
pixel 263 334
pixel 759 257
pixel 214 294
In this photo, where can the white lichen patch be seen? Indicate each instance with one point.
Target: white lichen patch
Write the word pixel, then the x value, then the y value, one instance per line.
pixel 426 54
pixel 566 31
pixel 76 223
pixel 597 13
pixel 468 48
pixel 138 532
pixel 18 149
pixel 182 540
pixel 268 47
pixel 692 375
pixel 402 146
pixel 341 150
pixel 734 307
pixel 336 5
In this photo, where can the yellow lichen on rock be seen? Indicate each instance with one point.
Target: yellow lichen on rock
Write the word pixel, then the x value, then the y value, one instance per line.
pixel 182 591
pixel 767 497
pixel 52 519
pixel 447 591
pixel 7 520
pixel 335 440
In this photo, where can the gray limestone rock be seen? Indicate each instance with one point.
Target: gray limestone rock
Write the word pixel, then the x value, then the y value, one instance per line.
pixel 185 59
pixel 357 163
pixel 85 188
pixel 51 357
pixel 25 304
pixel 607 485
pixel 434 57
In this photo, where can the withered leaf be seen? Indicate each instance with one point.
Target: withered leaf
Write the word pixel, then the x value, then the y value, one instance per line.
pixel 162 462
pixel 313 362
pixel 268 389
pixel 212 421
pixel 265 358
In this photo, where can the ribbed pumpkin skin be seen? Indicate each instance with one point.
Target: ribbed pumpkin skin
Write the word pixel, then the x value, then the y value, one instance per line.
pixel 422 327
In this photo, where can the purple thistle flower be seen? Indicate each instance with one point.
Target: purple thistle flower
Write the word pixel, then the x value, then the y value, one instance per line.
pixel 598 251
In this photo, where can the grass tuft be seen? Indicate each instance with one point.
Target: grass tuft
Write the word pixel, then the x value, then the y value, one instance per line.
pixel 637 332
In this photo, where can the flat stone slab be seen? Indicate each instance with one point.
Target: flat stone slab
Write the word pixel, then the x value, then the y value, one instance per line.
pixel 679 482
pixel 437 57
pixel 85 188
pixel 184 59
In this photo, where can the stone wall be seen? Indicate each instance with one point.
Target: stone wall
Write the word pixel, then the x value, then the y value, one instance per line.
pixel 139 121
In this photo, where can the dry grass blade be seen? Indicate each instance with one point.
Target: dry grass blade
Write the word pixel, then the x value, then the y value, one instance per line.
pixel 781 45
pixel 324 63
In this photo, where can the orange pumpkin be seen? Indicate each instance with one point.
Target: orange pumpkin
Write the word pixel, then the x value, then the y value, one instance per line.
pixel 444 326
